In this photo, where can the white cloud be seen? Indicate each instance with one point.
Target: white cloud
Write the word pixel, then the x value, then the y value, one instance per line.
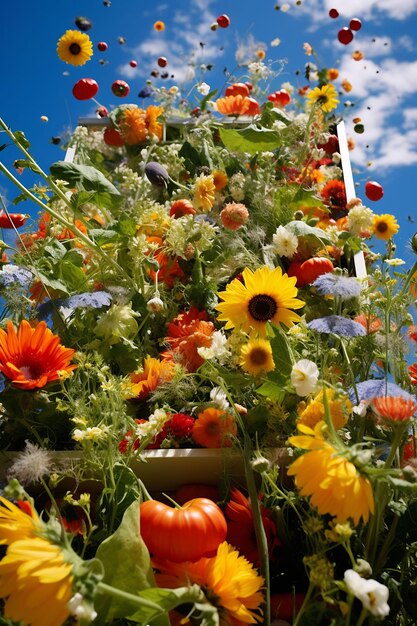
pixel 370 9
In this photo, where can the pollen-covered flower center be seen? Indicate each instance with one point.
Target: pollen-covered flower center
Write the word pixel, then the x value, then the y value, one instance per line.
pixel 262 307
pixel 75 48
pixel 259 356
pixel 382 227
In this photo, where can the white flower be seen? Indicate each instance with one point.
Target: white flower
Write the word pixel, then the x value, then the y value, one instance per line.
pixel 204 89
pixel 304 377
pixel 218 397
pixel 359 219
pixel 154 425
pixel 155 305
pixel 371 593
pixel 218 349
pixel 275 42
pixel 394 262
pixel 284 242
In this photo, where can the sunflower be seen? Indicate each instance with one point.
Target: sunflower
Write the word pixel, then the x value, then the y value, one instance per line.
pixel 151 118
pixel 204 190
pixel 34 356
pixel 155 373
pixel 230 582
pixel 314 412
pixel 132 126
pixel 233 105
pixel 256 357
pixel 324 97
pixel 214 428
pixel 265 295
pixel 75 48
pixel 333 483
pixel 385 226
pixel 33 574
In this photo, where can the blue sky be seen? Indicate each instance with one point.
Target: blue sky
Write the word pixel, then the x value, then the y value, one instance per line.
pixel 36 83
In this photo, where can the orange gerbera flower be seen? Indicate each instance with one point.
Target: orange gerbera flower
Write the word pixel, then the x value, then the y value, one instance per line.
pixel 132 126
pixel 151 117
pixel 214 428
pixel 233 105
pixel 34 356
pixel 334 195
pixel 394 408
pixel 371 323
pixel 186 333
pixel 155 373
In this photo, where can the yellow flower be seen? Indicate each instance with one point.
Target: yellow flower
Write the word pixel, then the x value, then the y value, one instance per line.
pixel 385 226
pixel 151 117
pixel 204 190
pixel 75 48
pixel 266 295
pixel 35 580
pixel 333 483
pixel 325 97
pixel 132 126
pixel 256 357
pixel 314 413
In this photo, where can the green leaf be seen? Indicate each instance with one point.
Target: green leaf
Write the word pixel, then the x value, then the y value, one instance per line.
pixel 102 235
pixel 270 115
pixel 53 283
pixel 301 229
pixel 208 97
pixel 280 351
pixel 87 178
pixel 191 156
pixel 26 164
pixel 127 567
pixel 251 139
pixel 73 276
pixel 271 390
pixel 21 139
pixel 304 197
pixel 127 226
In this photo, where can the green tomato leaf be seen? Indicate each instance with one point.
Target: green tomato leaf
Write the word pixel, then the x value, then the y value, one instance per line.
pixel 280 351
pixel 87 178
pixel 251 139
pixel 73 276
pixel 301 229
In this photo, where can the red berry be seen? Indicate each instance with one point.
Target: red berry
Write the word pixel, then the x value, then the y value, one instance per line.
pixel 162 62
pixel 223 21
pixel 373 190
pixel 345 35
pixel 102 112
pixel 133 63
pixel 280 98
pixel 237 89
pixel 85 89
pixel 112 137
pixel 102 46
pixel 355 24
pixel 334 13
pixel 120 88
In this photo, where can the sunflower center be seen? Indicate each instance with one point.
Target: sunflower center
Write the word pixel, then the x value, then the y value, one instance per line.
pixel 258 356
pixel 75 48
pixel 382 227
pixel 262 307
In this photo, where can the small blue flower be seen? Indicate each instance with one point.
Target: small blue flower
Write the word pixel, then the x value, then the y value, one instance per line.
pixel 12 274
pixel 369 389
pixel 344 287
pixel 146 92
pixel 337 325
pixel 94 300
pixel 2 383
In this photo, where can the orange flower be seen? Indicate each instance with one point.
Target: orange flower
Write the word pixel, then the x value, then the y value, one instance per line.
pixel 132 125
pixel 412 370
pixel 241 530
pixel 233 105
pixel 220 179
pixel 34 356
pixel 151 117
pixel 155 373
pixel 214 428
pixel 371 323
pixel 357 55
pixel 334 195
pixel 346 85
pixel 332 73
pixel 394 408
pixel 169 267
pixel 234 216
pixel 182 207
pixel 186 333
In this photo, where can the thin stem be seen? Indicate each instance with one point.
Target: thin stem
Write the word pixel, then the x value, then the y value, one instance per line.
pixel 305 603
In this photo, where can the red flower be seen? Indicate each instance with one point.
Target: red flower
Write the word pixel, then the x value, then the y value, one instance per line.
pixel 240 528
pixel 412 370
pixel 334 195
pixel 186 333
pixel 181 425
pixel 394 408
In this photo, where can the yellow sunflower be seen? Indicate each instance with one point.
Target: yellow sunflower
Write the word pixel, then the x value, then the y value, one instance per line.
pixel 265 295
pixel 204 190
pixel 75 48
pixel 385 226
pixel 33 574
pixel 333 483
pixel 313 413
pixel 256 357
pixel 324 97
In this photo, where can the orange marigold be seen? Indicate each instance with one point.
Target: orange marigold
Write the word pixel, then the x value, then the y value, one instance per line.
pixel 186 333
pixel 132 126
pixel 33 357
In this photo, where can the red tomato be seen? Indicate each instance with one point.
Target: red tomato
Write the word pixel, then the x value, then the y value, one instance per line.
pixel 254 108
pixel 133 63
pixel 195 490
pixel 102 46
pixel 345 35
pixel 223 21
pixel 311 269
pixel 11 220
pixel 112 137
pixel 280 98
pixel 162 62
pixel 85 89
pixel 373 190
pixel 120 88
pixel 187 533
pixel 237 89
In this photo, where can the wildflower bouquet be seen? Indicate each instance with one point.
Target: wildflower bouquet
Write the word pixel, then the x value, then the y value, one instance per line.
pixel 192 283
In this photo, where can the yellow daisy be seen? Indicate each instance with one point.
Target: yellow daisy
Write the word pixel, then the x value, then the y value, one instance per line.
pixel 333 483
pixel 75 48
pixel 33 573
pixel 256 357
pixel 313 413
pixel 385 226
pixel 324 97
pixel 265 295
pixel 204 190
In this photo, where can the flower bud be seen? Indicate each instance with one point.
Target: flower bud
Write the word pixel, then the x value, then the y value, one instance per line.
pixel 413 243
pixel 156 174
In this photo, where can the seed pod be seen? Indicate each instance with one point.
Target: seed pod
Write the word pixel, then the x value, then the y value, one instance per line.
pixel 156 174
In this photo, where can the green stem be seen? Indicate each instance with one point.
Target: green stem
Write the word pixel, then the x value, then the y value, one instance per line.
pixel 128 597
pixel 305 603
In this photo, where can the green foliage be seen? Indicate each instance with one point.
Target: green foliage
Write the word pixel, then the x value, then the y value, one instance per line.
pixel 251 139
